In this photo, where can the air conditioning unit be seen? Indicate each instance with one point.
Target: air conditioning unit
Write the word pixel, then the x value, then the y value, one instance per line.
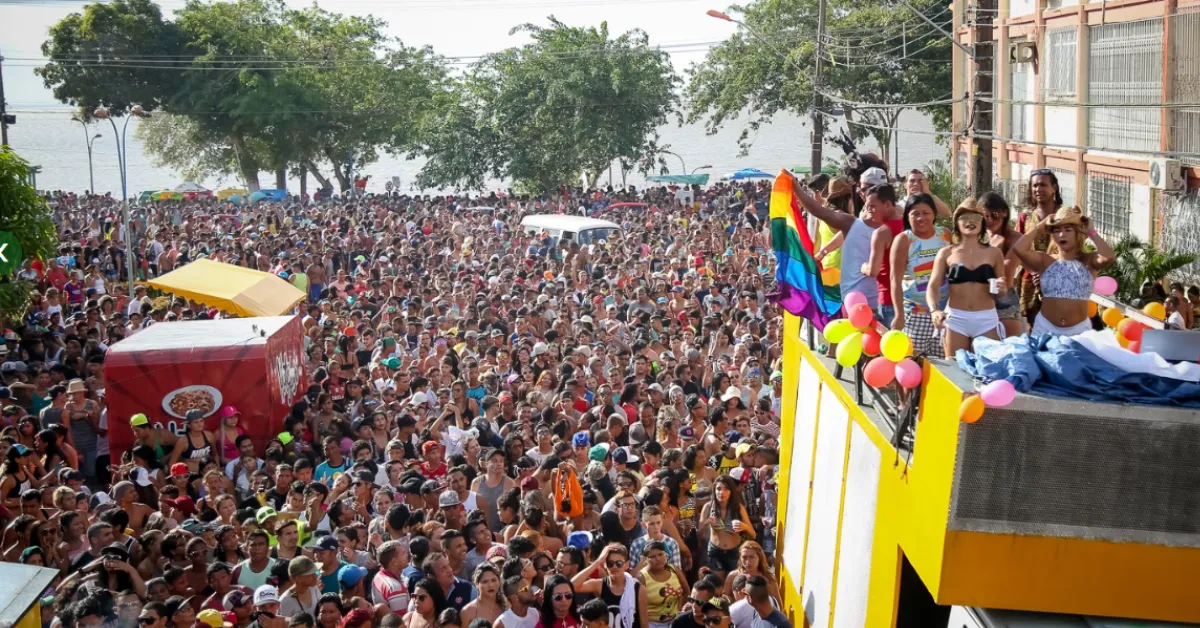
pixel 1166 174
pixel 1022 52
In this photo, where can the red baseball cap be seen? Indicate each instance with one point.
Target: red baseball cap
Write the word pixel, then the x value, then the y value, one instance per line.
pixel 179 468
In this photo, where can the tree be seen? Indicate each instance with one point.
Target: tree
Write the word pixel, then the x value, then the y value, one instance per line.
pixel 877 54
pixel 104 56
pixel 567 104
pixel 1138 262
pixel 24 214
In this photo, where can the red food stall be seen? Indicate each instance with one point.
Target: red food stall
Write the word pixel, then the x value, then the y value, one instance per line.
pixel 253 364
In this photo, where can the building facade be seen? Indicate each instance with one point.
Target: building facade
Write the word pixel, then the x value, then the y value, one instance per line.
pixel 1097 92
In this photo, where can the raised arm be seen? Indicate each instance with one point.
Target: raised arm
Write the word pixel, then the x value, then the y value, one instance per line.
pixel 1104 256
pixel 1033 261
pixel 899 257
pixel 841 221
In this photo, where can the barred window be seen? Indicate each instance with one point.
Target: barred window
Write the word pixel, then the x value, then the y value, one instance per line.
pixel 1066 185
pixel 1058 65
pixel 1125 68
pixel 1108 204
pixel 1020 116
pixel 1185 88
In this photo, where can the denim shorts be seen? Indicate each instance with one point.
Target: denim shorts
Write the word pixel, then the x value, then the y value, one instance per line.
pixel 885 314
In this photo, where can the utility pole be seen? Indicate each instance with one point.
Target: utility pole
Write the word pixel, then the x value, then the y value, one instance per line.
pixel 5 119
pixel 818 122
pixel 982 98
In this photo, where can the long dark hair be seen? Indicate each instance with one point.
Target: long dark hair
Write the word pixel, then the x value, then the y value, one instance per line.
pixel 733 509
pixel 1046 172
pixel 547 609
pixel 911 203
pixel 435 591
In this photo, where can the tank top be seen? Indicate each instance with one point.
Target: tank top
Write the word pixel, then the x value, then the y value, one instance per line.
pixel 513 620
pixel 301 281
pixel 921 255
pixel 229 448
pixel 613 601
pixel 491 495
pixel 856 251
pixel 83 433
pixel 825 235
pixel 191 452
pixel 884 279
pixel 663 599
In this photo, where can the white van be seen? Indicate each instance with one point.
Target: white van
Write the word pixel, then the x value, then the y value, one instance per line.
pixel 572 228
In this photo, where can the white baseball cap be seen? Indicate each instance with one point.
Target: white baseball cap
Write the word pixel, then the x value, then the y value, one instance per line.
pixel 873 176
pixel 266 594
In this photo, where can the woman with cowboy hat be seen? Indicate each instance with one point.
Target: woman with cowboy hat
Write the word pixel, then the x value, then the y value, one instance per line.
pixel 975 271
pixel 1067 271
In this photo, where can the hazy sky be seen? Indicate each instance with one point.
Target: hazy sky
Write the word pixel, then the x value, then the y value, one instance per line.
pixel 452 27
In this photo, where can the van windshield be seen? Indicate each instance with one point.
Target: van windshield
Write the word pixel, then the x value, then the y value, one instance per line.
pixel 591 236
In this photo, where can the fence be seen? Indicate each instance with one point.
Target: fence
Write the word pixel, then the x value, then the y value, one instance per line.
pixel 1180 229
pixel 1125 68
pixel 1108 204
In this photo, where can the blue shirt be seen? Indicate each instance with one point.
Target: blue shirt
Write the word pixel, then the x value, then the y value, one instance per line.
pixel 325 471
pixel 461 593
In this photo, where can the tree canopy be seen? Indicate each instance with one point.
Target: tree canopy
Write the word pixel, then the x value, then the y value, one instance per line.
pixel 567 104
pixel 24 214
pixel 874 53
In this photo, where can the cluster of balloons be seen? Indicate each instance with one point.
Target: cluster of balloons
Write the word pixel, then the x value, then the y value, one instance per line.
pixel 1129 332
pixel 855 335
pixel 996 394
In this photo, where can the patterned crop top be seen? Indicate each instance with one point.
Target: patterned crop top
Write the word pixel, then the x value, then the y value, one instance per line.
pixel 1067 279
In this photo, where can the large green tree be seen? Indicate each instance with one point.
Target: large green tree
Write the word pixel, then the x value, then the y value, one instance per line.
pixel 876 53
pixel 250 85
pixel 25 215
pixel 567 104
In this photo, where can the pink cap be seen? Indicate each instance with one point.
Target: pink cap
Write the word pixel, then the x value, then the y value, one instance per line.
pixel 228 411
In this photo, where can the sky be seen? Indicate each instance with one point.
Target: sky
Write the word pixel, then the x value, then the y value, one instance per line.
pixel 453 27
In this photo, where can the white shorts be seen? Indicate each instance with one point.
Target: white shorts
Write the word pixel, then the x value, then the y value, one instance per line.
pixel 1042 325
pixel 974 324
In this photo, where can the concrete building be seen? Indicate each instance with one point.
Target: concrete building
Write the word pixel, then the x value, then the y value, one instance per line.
pixel 1095 76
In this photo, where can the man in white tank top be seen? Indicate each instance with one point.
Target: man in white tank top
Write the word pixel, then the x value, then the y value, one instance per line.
pixel 856 248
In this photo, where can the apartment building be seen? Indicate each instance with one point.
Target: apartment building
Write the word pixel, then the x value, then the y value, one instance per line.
pixel 1090 90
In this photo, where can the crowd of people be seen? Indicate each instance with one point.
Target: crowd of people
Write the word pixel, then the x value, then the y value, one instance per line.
pixel 500 429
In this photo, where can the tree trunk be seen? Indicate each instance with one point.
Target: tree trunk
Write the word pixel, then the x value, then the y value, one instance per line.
pixel 246 163
pixel 309 166
pixel 303 181
pixel 343 181
pixel 281 178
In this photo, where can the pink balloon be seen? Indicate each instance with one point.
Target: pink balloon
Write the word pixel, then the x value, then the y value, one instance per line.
pixel 998 394
pixel 850 299
pixel 879 372
pixel 908 373
pixel 1105 287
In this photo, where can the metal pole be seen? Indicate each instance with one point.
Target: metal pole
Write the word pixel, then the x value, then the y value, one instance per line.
pixel 3 109
pixel 818 123
pixel 91 171
pixel 128 237
pixel 981 103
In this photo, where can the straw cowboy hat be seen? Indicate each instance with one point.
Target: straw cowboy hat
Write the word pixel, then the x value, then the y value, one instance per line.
pixel 76 386
pixel 1067 216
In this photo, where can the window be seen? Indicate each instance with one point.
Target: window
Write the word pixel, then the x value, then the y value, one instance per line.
pixel 1066 185
pixel 1020 116
pixel 1108 204
pixel 1058 65
pixel 1185 88
pixel 1125 69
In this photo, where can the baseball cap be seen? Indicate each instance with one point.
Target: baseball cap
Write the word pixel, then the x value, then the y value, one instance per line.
pixel 598 452
pixel 687 432
pixel 176 602
pixel 139 420
pixel 324 543
pixel 350 575
pixel 193 415
pixel 263 514
pixel 236 598
pixel 179 468
pixel 301 566
pixel 580 439
pixel 285 438
pixel 266 594
pixel 873 176
pixel 211 618
pixel 743 447
pixel 228 411
pixel 740 474
pixel 429 445
pixel 448 499
pixel 732 437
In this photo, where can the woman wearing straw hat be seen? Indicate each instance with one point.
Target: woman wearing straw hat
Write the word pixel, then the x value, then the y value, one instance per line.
pixel 975 271
pixel 82 417
pixel 1067 270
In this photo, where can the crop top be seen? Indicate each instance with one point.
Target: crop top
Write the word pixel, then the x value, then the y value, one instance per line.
pixel 961 274
pixel 1067 279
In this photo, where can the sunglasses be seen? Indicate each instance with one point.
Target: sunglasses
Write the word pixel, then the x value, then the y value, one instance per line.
pixel 420 597
pixel 1041 171
pixel 545 568
pixel 713 620
pixel 560 597
pixel 146 621
pixel 616 564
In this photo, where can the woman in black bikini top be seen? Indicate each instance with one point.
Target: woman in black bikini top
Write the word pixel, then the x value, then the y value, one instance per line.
pixel 187 450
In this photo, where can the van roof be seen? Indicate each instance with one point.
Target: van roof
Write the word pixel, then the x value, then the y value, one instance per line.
pixel 563 222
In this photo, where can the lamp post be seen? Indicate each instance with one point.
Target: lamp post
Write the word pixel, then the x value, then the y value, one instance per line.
pixel 695 170
pixel 102 114
pixel 677 156
pixel 90 140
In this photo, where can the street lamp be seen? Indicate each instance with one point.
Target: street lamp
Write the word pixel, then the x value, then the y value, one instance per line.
pixel 102 114
pixel 677 156
pixel 89 140
pixel 695 170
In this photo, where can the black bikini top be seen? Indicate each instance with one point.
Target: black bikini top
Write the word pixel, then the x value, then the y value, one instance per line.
pixel 961 274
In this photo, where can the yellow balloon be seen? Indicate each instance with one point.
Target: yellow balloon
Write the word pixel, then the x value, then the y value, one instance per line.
pixel 831 276
pixel 836 331
pixel 1122 340
pixel 1112 317
pixel 850 349
pixel 896 345
pixel 1155 310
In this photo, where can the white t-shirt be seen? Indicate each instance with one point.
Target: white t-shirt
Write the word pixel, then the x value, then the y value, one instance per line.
pixel 1175 321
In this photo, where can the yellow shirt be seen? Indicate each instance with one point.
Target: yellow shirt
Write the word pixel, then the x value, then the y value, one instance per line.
pixel 825 235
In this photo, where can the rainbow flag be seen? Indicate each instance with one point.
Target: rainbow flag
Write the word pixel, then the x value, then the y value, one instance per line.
pixel 797 272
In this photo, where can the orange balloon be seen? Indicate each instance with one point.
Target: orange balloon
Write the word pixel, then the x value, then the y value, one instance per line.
pixel 1092 308
pixel 1112 317
pixel 971 409
pixel 1123 341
